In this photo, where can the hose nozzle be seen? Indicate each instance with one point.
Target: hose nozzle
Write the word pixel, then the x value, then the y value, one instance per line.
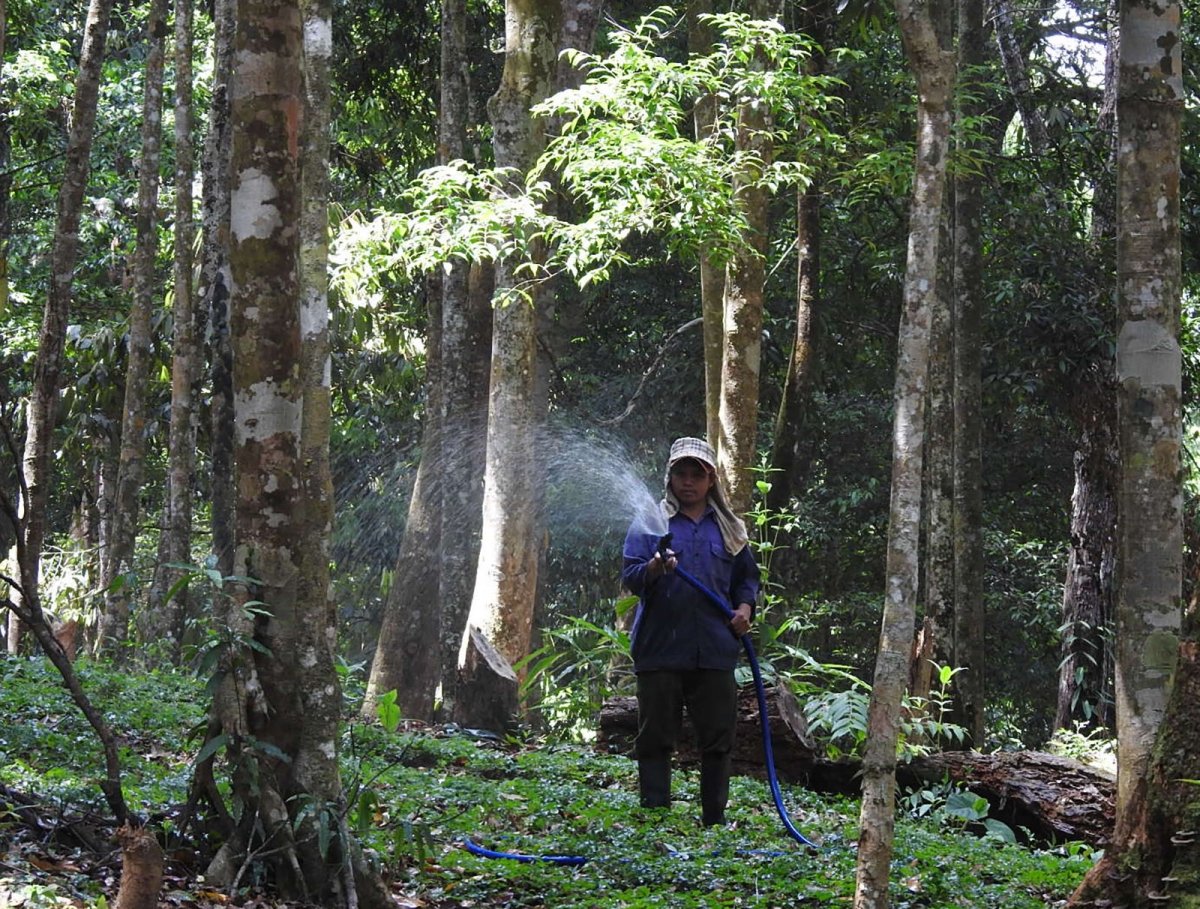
pixel 664 543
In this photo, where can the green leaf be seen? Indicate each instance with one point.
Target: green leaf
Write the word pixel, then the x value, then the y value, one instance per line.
pixel 388 712
pixel 999 830
pixel 211 747
pixel 624 604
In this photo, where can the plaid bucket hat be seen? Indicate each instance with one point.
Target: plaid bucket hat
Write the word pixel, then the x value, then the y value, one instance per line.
pixel 688 447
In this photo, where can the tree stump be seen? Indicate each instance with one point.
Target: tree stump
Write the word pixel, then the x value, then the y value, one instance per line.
pixel 141 869
pixel 487 687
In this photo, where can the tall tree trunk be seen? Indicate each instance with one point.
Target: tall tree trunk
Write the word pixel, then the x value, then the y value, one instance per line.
pixel 712 275
pixel 466 347
pixel 43 398
pixel 969 651
pixel 1149 365
pixel 166 617
pixel 1017 73
pixel 787 460
pixel 407 653
pixel 506 578
pixel 289 700
pixel 1086 667
pixel 215 284
pixel 114 622
pixel 925 28
pixel 745 280
pixel 938 463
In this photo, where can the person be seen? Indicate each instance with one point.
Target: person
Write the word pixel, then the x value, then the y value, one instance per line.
pixel 684 648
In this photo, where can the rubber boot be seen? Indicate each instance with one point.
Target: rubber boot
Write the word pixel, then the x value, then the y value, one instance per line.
pixel 714 788
pixel 654 782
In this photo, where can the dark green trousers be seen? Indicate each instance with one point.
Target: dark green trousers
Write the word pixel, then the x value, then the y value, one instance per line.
pixel 710 697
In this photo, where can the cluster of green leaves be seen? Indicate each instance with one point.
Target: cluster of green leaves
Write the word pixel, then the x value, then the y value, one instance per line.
pixel 414 797
pixel 623 156
pixel 47 747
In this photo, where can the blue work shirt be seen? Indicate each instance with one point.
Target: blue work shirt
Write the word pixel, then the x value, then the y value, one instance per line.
pixel 677 627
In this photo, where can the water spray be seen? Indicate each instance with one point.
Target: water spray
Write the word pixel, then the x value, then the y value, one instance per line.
pixel 663 548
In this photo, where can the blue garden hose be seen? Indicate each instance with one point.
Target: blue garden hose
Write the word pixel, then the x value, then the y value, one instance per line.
pixel 765 722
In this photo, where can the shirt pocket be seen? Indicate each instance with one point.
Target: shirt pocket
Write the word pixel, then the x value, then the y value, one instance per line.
pixel 720 570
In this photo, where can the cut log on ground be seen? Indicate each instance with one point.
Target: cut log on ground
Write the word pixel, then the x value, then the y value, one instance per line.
pixel 1054 798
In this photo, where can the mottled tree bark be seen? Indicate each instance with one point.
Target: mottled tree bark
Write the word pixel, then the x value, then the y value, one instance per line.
pixel 1086 664
pixel 1149 419
pixel 925 28
pixel 165 617
pixel 114 622
pixel 284 695
pixel 43 398
pixel 1016 72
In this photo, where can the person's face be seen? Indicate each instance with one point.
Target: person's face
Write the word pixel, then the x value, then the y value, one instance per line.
pixel 690 481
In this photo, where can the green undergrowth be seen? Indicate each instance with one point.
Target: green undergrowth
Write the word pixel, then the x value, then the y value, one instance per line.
pixel 415 796
pixel 573 801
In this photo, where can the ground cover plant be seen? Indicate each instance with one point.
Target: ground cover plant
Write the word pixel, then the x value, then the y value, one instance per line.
pixel 417 792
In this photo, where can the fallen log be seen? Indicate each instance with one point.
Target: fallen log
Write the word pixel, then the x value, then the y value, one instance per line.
pixel 1054 799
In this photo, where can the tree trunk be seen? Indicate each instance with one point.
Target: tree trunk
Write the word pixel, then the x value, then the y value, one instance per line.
pixel 924 27
pixel 969 651
pixel 166 617
pixel 1086 669
pixel 712 274
pixel 282 719
pixel 114 622
pixel 1017 74
pixel 215 285
pixel 1150 535
pixel 43 398
pixel 938 461
pixel 502 605
pixel 407 654
pixel 787 448
pixel 745 280
pixel 1083 689
pixel 466 353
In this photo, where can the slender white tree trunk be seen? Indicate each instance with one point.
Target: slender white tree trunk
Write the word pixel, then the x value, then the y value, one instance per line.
pixel 925 30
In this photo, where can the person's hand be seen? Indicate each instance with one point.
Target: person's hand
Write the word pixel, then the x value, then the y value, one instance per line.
pixel 740 623
pixel 658 566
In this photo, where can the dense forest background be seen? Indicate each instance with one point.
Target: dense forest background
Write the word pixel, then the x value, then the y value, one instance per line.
pixel 621 360
pixel 1047 324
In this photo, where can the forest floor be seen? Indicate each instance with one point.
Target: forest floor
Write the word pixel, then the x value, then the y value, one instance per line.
pixel 417 794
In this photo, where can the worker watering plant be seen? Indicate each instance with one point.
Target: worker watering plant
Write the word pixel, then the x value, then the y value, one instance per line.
pixel 685 650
